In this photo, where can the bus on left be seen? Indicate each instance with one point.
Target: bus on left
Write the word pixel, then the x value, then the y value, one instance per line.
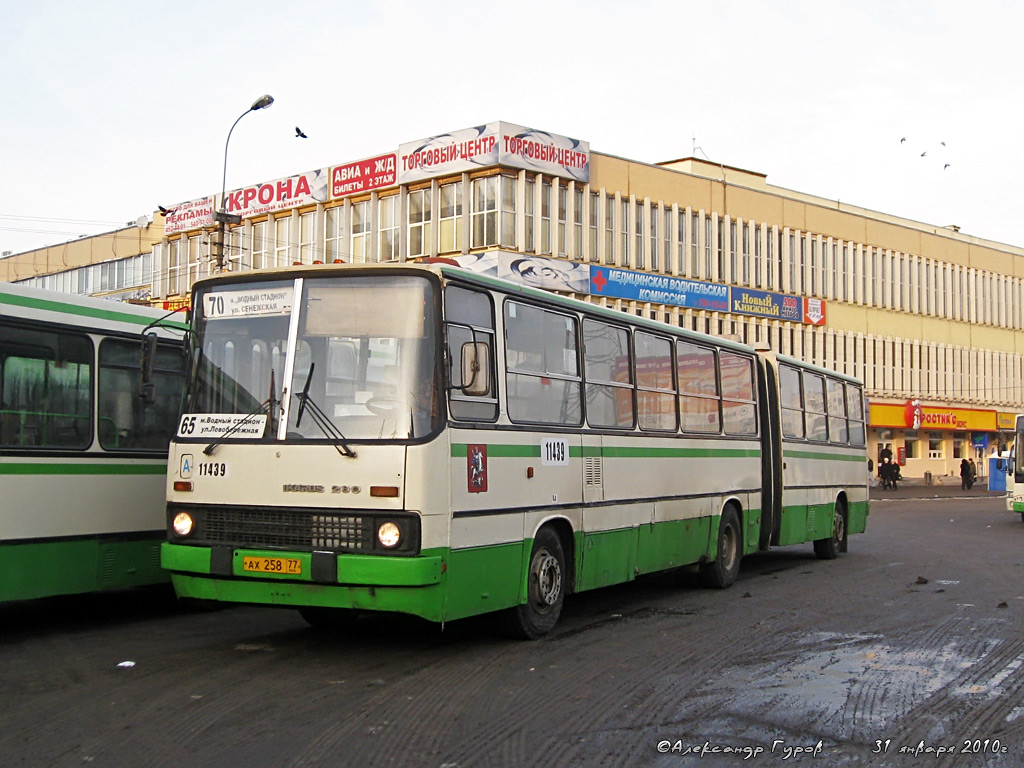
pixel 83 455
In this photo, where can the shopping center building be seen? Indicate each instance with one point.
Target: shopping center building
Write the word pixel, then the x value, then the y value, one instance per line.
pixel 928 317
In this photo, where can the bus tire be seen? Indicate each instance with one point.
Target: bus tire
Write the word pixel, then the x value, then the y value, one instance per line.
pixel 334 619
pixel 545 589
pixel 723 570
pixel 829 549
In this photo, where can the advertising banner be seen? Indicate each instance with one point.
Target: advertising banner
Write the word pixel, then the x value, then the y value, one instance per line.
pixel 281 195
pixel 659 289
pixel 778 306
pixel 937 419
pixel 534 271
pixel 194 214
pixel 363 175
pixel 492 144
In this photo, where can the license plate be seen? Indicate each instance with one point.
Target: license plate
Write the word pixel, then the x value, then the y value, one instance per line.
pixel 290 566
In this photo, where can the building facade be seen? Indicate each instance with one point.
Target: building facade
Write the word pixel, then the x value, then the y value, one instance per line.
pixel 929 318
pixel 116 265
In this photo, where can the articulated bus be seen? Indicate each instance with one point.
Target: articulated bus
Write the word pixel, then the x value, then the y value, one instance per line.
pixel 426 440
pixel 82 455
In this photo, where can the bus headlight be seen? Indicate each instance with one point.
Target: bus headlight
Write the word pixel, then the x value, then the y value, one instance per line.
pixel 183 524
pixel 389 535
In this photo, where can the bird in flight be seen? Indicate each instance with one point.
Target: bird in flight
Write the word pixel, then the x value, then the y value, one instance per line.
pixel 299 134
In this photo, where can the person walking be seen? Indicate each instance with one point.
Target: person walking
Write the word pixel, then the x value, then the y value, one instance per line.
pixel 974 474
pixel 965 474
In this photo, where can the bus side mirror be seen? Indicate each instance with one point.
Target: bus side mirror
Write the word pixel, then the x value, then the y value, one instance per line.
pixel 148 364
pixel 475 369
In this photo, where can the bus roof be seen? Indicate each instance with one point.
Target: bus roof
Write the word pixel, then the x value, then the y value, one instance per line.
pixel 26 302
pixel 453 272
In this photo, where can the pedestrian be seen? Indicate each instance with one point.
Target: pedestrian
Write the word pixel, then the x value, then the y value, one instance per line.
pixel 974 474
pixel 965 474
pixel 886 472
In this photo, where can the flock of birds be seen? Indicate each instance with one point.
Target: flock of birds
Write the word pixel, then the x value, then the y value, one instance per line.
pixel 941 148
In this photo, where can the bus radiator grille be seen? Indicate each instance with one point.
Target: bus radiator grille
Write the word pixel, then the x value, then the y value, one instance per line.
pixel 300 530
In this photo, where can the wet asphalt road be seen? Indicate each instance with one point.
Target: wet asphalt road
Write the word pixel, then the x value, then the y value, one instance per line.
pixel 908 650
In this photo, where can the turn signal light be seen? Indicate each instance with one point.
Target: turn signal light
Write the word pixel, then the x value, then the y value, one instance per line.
pixel 183 485
pixel 385 491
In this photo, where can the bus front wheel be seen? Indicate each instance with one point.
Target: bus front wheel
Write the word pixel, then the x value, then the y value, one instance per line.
pixel 723 570
pixel 545 589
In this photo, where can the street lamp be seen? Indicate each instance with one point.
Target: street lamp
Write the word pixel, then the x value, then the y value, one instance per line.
pixel 222 217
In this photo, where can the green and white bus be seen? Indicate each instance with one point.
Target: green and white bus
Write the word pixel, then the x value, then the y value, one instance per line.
pixel 82 456
pixel 427 440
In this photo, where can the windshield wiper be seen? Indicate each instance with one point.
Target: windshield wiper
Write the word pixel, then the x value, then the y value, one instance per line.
pixel 320 418
pixel 267 406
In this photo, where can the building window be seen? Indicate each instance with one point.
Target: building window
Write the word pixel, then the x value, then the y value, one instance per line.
pixel 282 240
pixel 814 267
pixel 528 215
pixel 707 247
pixel 419 222
pixel 306 238
pixel 912 444
pixel 260 246
pixel 720 250
pixel 624 224
pixel 666 238
pixel 681 242
pixel 333 234
pixel 507 233
pixel 173 268
pixel 639 234
pixel 652 226
pixel 196 266
pixel 595 222
pixel 757 256
pixel 563 221
pixel 360 231
pixel 484 213
pixel 576 247
pixel 733 252
pixel 609 231
pixel 934 445
pixel 545 218
pixel 387 227
pixel 694 244
pixel 450 218
pixel 746 253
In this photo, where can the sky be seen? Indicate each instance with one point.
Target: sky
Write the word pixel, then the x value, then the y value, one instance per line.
pixel 114 107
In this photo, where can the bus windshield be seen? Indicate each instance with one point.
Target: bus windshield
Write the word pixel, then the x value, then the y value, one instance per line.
pixel 357 353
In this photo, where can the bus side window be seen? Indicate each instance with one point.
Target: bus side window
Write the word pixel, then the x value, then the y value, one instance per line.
pixel 469 328
pixel 46 389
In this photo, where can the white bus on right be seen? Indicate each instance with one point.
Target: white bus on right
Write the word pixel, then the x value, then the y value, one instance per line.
pixel 1015 470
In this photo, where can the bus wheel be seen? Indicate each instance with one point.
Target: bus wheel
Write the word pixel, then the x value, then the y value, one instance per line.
pixel 329 618
pixel 723 570
pixel 829 549
pixel 545 589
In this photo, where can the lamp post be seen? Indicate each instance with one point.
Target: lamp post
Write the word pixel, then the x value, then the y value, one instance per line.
pixel 221 216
